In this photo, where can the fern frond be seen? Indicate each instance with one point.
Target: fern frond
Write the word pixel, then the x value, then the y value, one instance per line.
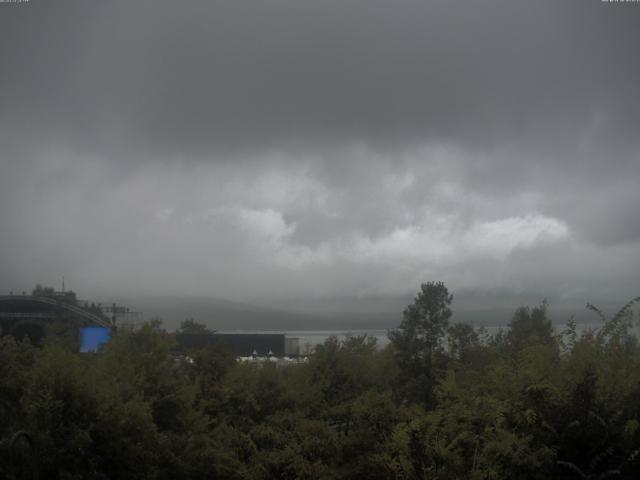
pixel 597 311
pixel 572 466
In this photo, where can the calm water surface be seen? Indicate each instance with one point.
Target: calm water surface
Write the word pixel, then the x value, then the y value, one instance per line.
pixel 310 338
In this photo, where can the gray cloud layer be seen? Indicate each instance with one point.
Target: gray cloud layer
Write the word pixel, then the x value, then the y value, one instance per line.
pixel 282 148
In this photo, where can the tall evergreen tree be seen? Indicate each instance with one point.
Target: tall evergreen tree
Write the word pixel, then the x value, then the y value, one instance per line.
pixel 418 341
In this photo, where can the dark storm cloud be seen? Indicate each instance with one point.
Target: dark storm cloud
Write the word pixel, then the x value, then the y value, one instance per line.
pixel 188 77
pixel 339 146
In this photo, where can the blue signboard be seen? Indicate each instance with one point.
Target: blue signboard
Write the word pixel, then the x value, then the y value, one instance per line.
pixel 91 338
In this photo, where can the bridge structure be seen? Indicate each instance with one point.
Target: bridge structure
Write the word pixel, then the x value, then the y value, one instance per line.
pixel 34 316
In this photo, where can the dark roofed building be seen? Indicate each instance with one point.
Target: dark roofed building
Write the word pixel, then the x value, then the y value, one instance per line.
pixel 33 316
pixel 240 344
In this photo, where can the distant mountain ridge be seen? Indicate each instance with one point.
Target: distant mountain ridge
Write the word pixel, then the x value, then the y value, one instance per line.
pixel 220 314
pixel 345 313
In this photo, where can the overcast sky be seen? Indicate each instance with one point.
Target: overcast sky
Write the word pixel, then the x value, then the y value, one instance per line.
pixel 295 148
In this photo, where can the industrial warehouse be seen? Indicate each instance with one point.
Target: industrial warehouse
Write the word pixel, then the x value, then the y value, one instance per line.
pixel 47 312
pixel 243 344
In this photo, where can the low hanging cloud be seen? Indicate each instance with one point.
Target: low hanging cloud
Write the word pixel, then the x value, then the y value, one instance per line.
pixel 214 229
pixel 303 148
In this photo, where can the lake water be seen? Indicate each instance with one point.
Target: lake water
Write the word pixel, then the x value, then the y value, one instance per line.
pixel 307 339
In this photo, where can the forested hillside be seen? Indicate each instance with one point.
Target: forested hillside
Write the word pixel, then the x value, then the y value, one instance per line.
pixel 442 401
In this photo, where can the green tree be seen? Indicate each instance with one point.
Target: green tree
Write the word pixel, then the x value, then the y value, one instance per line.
pixel 189 325
pixel 418 341
pixel 530 326
pixel 462 340
pixel 40 291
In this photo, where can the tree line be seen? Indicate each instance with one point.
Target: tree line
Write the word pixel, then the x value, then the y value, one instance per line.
pixel 441 401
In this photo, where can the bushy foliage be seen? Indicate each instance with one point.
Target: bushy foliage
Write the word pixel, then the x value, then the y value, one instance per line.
pixel 525 404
